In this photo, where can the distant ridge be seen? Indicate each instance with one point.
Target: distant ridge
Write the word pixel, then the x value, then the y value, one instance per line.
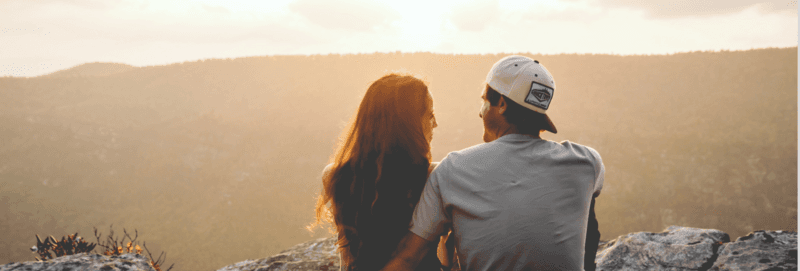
pixel 92 69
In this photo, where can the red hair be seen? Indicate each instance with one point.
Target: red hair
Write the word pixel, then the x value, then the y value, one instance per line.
pixel 378 171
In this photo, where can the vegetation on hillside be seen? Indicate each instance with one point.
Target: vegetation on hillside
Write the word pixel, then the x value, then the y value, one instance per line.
pixel 232 149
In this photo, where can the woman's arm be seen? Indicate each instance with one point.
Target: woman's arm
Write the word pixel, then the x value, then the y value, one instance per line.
pixel 410 251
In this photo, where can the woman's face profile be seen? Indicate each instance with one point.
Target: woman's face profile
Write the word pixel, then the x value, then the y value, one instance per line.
pixel 429 120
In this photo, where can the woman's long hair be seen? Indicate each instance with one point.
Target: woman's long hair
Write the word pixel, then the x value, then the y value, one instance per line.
pixel 378 170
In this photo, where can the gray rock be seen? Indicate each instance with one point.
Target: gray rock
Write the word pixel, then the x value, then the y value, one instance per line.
pixel 319 254
pixel 85 261
pixel 760 250
pixel 677 248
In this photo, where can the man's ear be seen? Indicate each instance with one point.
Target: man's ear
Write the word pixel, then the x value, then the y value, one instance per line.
pixel 502 104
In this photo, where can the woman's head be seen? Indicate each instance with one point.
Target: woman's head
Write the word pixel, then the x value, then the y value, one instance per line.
pixel 390 133
pixel 396 110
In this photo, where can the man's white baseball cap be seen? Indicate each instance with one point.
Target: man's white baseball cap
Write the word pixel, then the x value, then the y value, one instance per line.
pixel 526 82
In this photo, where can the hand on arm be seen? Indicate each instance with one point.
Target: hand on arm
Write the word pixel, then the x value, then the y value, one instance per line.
pixel 446 251
pixel 409 253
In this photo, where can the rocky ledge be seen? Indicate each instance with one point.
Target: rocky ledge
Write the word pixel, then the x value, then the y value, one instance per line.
pixel 85 261
pixel 682 248
pixel 676 248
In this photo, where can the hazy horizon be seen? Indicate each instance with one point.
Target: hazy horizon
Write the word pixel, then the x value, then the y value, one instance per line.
pixel 39 37
pixel 356 54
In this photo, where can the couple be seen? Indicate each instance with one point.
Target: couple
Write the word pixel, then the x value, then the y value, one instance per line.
pixel 516 202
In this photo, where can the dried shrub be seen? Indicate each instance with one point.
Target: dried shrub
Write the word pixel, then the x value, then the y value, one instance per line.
pixel 112 246
pixel 69 245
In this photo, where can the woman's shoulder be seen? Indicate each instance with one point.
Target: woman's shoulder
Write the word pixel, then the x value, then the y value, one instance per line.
pixel 326 172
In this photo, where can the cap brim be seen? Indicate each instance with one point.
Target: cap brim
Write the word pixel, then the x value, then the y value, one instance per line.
pixel 550 126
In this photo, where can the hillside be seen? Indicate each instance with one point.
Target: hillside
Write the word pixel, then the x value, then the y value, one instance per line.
pixel 216 161
pixel 91 69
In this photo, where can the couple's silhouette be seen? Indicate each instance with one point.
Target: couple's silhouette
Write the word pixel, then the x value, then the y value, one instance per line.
pixel 516 202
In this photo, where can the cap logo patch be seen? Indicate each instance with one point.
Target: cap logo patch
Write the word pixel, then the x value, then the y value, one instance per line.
pixel 539 95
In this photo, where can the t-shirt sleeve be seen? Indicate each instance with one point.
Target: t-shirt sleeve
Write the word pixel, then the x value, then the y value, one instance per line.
pixel 600 172
pixel 430 219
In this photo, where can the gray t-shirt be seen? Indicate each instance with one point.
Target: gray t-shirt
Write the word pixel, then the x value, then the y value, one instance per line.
pixel 516 203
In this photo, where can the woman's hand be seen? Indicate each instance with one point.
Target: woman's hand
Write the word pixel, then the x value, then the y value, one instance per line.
pixel 446 251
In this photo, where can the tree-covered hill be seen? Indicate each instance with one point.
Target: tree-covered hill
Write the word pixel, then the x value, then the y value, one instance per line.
pixel 217 161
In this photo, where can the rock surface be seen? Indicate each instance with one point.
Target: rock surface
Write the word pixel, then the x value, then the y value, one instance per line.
pixel 683 248
pixel 319 254
pixel 677 248
pixel 85 261
pixel 760 250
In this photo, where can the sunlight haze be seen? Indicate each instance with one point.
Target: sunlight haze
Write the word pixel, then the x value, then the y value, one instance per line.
pixel 45 36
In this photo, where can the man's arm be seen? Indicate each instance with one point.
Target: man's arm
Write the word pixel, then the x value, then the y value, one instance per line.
pixel 409 253
pixel 592 240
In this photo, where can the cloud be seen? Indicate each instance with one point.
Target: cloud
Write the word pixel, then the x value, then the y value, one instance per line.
pixel 474 15
pixel 359 15
pixel 216 9
pixel 686 8
pixel 567 15
pixel 88 4
pixel 128 24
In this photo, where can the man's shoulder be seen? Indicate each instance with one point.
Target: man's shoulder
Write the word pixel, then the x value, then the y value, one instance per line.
pixel 580 148
pixel 471 152
pixel 464 157
pixel 482 147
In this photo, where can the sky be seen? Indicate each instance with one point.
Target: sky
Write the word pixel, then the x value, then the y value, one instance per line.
pixel 42 36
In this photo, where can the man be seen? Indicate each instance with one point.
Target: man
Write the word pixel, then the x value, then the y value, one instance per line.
pixel 516 202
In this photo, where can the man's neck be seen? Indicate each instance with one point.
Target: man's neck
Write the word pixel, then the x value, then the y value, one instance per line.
pixel 513 130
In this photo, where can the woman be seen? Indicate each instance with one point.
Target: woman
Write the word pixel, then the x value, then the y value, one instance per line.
pixel 378 171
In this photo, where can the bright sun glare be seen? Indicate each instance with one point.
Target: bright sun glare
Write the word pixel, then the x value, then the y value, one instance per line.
pixel 43 36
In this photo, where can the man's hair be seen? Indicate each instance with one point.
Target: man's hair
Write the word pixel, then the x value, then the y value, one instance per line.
pixel 527 121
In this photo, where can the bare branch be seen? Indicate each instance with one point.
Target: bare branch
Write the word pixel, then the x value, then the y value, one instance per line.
pixel 148 251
